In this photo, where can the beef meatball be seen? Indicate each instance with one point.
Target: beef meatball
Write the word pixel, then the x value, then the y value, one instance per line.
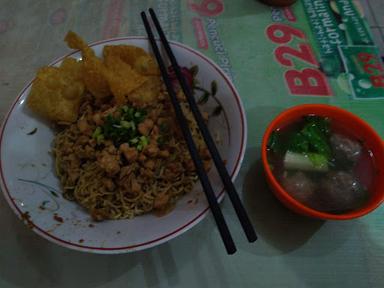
pixel 345 149
pixel 300 187
pixel 341 191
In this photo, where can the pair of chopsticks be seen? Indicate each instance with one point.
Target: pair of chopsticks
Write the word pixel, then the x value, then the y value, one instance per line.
pixel 226 179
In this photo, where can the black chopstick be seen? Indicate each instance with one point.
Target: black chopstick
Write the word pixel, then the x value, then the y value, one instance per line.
pixel 230 188
pixel 218 215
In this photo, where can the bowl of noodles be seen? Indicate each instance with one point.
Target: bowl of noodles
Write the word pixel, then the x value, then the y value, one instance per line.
pixel 92 157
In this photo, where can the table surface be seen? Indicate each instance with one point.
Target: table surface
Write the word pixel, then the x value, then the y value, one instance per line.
pixel 292 251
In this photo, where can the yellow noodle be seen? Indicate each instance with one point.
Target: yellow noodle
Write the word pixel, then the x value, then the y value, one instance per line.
pixel 89 191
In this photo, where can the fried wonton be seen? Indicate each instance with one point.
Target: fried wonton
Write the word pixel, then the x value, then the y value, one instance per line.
pixel 93 68
pixel 56 92
pixel 137 57
pixel 122 79
pixel 148 92
pixel 128 73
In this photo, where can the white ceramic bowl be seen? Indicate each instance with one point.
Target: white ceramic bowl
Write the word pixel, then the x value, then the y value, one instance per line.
pixel 32 190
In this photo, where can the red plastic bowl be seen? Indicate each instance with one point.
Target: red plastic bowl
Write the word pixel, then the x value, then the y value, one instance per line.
pixel 359 128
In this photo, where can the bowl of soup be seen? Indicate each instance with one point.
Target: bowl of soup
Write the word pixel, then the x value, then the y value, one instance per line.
pixel 324 162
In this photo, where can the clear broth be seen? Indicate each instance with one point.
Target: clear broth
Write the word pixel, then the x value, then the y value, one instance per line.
pixel 362 170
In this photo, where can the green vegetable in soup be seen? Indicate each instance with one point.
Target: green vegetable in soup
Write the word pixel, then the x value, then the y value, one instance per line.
pixel 299 143
pixel 318 140
pixel 312 138
pixel 323 123
pixel 318 161
pixel 308 147
pixel 275 144
pixel 303 162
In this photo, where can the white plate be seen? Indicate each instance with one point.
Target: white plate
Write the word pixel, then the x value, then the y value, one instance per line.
pixel 29 183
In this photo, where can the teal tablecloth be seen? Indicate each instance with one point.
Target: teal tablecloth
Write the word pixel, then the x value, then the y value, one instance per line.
pixel 292 251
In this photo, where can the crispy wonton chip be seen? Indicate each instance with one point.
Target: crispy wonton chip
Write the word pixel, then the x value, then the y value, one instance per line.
pixel 137 57
pixel 148 92
pixel 74 41
pixel 125 69
pixel 56 92
pixel 93 68
pixel 122 79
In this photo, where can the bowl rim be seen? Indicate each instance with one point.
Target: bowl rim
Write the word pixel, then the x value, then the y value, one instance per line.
pixel 280 191
pixel 168 236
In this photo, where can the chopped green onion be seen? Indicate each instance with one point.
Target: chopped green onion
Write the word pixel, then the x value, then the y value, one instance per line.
pixel 123 128
pixel 98 131
pixel 144 141
pixel 128 125
pixel 99 139
pixel 134 140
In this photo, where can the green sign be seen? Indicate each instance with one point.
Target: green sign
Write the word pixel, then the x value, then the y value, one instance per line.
pixel 355 26
pixel 365 73
pixel 329 36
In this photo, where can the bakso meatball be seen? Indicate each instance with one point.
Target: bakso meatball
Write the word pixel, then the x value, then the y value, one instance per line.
pixel 340 190
pixel 345 149
pixel 300 187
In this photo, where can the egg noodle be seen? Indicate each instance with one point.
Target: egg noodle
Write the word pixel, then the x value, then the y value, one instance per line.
pixel 149 182
pixel 119 150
